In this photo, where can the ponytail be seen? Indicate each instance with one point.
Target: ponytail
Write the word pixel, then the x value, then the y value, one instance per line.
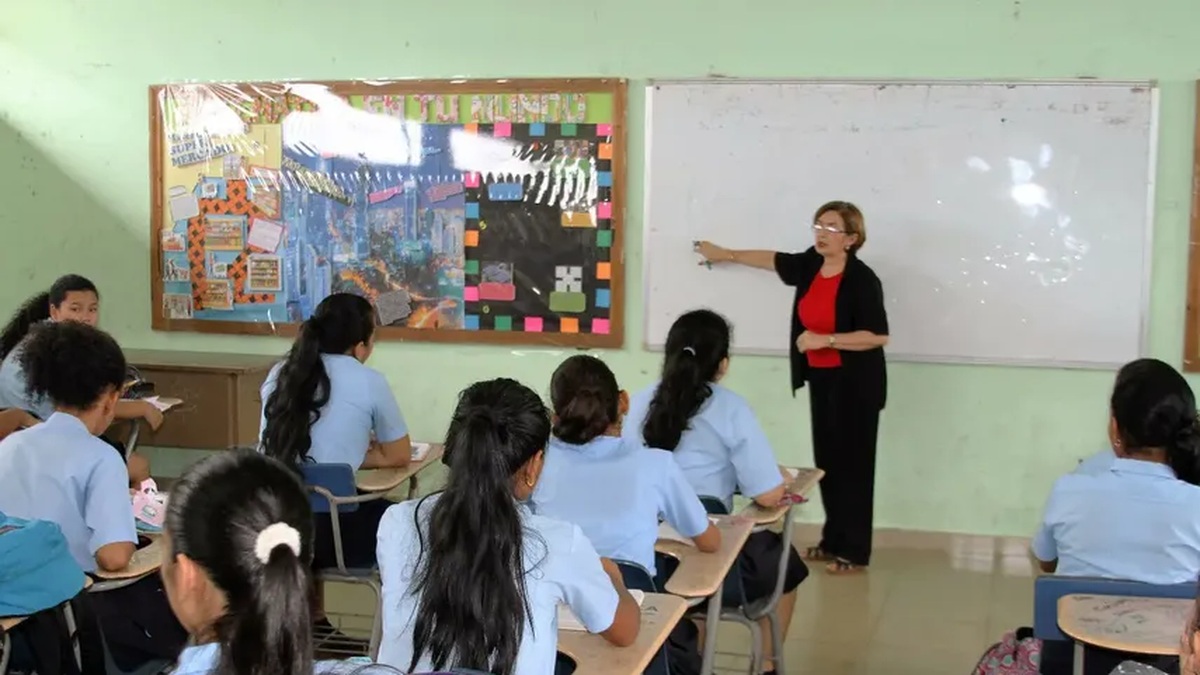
pixel 470 576
pixel 245 519
pixel 697 345
pixel 32 311
pixel 340 323
pixel 586 399
pixel 1183 454
pixel 1153 407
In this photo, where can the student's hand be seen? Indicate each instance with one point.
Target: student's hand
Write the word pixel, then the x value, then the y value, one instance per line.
pixel 139 469
pixel 15 419
pixel 152 415
pixel 711 252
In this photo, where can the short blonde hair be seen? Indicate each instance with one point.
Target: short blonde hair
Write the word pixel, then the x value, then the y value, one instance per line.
pixel 851 216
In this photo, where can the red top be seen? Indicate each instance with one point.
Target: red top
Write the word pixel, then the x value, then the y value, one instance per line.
pixel 818 313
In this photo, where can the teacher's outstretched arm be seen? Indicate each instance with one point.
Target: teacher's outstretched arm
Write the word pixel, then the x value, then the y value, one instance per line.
pixel 715 254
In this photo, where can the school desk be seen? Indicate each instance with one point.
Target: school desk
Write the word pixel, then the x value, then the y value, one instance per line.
pixel 386 480
pixel 135 425
pixel 803 483
pixel 222 405
pixel 702 575
pixel 593 655
pixel 145 560
pixel 1152 626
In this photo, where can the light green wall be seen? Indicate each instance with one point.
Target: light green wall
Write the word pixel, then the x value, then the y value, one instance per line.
pixel 962 448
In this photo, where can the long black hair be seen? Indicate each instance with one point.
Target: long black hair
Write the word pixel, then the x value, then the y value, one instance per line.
pixel 72 364
pixel 586 399
pixel 1154 407
pixel 37 309
pixel 471 573
pixel 215 515
pixel 341 322
pixel 696 345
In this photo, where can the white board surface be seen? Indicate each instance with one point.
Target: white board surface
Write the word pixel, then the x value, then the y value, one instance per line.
pixel 1008 222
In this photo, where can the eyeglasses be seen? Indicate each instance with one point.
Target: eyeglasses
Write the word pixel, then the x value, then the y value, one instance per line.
pixel 818 227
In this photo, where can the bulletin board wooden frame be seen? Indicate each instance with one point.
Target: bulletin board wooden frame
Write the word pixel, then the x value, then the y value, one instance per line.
pixel 612 338
pixel 1191 335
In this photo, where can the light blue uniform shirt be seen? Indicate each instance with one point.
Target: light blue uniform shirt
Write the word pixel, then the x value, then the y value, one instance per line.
pixel 59 471
pixel 724 448
pixel 562 568
pixel 12 388
pixel 204 659
pixel 1098 463
pixel 615 490
pixel 360 402
pixel 1136 521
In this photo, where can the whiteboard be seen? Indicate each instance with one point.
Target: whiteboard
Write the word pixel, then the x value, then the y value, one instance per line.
pixel 1008 222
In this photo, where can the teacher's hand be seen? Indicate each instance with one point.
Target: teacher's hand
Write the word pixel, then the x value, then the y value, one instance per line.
pixel 809 341
pixel 711 252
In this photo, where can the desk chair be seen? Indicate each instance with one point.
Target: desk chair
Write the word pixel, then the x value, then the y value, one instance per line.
pixel 1048 589
pixel 638 578
pixel 334 492
pixel 735 606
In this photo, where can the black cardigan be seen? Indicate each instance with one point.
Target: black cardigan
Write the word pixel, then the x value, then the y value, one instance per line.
pixel 859 306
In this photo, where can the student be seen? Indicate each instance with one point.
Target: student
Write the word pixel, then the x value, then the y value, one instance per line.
pixel 322 404
pixel 61 472
pixel 450 595
pixel 715 438
pixel 70 298
pixel 1136 520
pixel 238 528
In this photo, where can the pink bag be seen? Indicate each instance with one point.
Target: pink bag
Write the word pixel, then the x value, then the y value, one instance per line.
pixel 149 507
pixel 1017 653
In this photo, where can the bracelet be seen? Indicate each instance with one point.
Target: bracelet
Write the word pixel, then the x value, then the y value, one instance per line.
pixel 732 256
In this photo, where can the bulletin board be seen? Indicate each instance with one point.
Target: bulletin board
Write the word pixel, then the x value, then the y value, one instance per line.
pixel 465 211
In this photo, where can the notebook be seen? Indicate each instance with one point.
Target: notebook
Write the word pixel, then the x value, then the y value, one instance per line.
pixel 665 531
pixel 419 451
pixel 568 621
pixel 163 403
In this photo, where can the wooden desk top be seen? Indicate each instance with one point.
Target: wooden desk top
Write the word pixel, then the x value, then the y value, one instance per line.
pixel 806 479
pixel 206 362
pixel 386 480
pixel 145 561
pixel 1137 625
pixel 700 574
pixel 593 655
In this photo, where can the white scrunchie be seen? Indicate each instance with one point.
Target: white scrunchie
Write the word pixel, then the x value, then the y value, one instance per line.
pixel 274 535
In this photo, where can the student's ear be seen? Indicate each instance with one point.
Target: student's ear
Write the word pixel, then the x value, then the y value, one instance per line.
pixel 623 403
pixel 1114 437
pixel 362 351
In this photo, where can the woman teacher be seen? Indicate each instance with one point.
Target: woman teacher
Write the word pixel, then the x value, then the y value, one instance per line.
pixel 839 327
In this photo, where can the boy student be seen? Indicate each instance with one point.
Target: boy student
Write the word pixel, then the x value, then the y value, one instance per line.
pixel 61 472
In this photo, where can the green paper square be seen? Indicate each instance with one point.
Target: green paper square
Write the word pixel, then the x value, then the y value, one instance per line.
pixel 503 323
pixel 471 267
pixel 567 130
pixel 604 238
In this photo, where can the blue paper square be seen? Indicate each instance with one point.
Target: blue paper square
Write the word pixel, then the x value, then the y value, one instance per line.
pixel 537 129
pixel 603 298
pixel 473 210
pixel 471 322
pixel 604 179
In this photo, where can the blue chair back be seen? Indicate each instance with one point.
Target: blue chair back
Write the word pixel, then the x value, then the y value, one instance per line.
pixel 734 594
pixel 1048 589
pixel 338 479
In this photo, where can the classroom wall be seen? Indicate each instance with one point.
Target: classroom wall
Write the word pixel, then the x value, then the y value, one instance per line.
pixel 962 448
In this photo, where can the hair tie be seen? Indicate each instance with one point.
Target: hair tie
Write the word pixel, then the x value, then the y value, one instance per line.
pixel 689 350
pixel 275 535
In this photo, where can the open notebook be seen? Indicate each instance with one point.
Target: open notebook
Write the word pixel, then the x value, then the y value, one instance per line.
pixel 568 621
pixel 419 451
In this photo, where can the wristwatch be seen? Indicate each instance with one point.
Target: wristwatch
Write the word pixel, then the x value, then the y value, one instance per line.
pixel 832 342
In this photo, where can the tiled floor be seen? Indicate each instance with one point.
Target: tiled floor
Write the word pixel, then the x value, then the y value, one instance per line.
pixel 929 606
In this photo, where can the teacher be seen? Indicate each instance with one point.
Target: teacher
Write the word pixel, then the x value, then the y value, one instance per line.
pixel 839 327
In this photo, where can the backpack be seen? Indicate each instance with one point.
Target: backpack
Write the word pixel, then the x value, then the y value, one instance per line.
pixel 38 571
pixel 1017 653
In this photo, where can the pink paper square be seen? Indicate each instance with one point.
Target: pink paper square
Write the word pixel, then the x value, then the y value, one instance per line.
pixel 604 210
pixel 471 180
pixel 604 130
pixel 471 294
pixel 600 326
pixel 533 324
pixel 502 130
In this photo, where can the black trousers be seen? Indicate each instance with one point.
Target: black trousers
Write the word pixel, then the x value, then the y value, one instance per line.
pixel 844 431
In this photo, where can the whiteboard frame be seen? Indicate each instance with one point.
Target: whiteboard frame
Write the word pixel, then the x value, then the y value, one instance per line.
pixel 1151 189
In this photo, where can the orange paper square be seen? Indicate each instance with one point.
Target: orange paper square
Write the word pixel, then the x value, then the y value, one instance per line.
pixel 569 325
pixel 471 238
pixel 603 270
pixel 471 128
pixel 606 151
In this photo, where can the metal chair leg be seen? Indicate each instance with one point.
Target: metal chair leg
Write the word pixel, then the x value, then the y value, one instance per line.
pixel 776 641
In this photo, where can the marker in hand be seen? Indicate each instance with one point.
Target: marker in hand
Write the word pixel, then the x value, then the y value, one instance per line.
pixel 705 263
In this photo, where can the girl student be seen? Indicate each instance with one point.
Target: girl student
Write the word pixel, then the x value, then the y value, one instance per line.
pixel 70 298
pixel 61 472
pixel 447 561
pixel 238 529
pixel 718 443
pixel 616 489
pixel 323 404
